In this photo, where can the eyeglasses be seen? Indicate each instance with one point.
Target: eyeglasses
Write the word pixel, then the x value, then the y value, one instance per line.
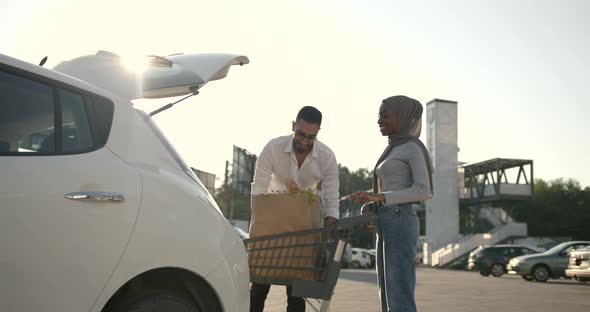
pixel 311 137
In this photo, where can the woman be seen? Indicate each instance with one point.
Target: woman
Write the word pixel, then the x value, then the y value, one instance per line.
pixel 402 176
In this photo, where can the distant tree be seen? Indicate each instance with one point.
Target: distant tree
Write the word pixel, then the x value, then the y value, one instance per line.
pixel 359 180
pixel 558 208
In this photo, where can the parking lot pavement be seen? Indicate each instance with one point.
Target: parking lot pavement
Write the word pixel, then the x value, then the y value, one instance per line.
pixel 457 291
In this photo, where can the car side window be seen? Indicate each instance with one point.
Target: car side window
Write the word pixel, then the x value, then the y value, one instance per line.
pixel 567 251
pixel 575 247
pixel 526 251
pixel 75 136
pixel 27 116
pixel 40 117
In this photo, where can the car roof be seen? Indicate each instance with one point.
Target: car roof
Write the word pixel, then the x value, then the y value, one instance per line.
pixel 52 75
pixel 507 246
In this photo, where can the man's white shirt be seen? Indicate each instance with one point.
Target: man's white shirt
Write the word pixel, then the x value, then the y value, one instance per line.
pixel 277 164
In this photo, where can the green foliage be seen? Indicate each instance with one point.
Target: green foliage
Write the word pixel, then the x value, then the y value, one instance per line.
pixel 559 208
pixel 311 196
pixel 359 180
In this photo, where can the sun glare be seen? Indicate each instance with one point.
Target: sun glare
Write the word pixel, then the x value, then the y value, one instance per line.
pixel 135 63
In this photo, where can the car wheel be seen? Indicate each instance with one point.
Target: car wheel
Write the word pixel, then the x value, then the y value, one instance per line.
pixel 484 273
pixel 541 273
pixel 497 269
pixel 527 278
pixel 355 264
pixel 158 301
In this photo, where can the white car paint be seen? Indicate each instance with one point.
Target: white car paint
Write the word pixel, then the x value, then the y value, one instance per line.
pixel 59 254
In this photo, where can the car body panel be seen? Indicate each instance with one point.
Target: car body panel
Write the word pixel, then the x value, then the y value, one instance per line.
pixel 54 239
pixel 184 246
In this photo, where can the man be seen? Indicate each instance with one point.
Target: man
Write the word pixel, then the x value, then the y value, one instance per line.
pixel 293 162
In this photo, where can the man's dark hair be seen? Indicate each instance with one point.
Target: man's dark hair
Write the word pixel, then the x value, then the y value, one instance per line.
pixel 310 114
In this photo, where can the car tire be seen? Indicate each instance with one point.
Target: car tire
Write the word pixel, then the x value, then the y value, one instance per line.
pixel 355 264
pixel 484 273
pixel 527 278
pixel 159 301
pixel 541 273
pixel 497 269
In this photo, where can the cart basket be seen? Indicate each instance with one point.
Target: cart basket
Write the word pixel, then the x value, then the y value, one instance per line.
pixel 308 261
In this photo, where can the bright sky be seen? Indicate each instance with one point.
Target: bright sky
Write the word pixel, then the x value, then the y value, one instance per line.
pixel 518 69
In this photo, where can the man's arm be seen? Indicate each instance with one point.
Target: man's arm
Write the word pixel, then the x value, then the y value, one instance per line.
pixel 331 192
pixel 263 171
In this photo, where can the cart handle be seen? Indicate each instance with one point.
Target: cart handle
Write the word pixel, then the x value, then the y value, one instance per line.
pixel 351 222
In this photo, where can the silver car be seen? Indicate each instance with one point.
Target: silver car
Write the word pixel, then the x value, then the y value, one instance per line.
pixel 551 263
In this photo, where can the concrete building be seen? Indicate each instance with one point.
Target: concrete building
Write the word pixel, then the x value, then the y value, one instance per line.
pixel 442 211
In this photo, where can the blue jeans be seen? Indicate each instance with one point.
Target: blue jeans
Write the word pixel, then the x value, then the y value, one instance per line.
pixel 397 235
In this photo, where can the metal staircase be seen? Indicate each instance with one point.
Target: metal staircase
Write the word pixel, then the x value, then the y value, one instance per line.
pixel 483 189
pixel 447 254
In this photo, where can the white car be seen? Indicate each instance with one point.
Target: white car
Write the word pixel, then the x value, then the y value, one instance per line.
pixel 360 258
pixel 97 210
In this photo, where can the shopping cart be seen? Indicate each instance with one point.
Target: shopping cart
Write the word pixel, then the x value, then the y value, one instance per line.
pixel 308 261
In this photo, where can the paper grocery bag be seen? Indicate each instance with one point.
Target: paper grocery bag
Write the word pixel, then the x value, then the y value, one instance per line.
pixel 282 213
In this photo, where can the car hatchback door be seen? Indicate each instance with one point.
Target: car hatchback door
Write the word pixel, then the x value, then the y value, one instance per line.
pixel 67 204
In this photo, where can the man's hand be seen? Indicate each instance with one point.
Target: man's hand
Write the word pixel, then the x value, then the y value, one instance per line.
pixel 293 187
pixel 329 220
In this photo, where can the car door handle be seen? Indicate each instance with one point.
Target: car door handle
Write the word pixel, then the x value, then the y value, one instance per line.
pixel 95 196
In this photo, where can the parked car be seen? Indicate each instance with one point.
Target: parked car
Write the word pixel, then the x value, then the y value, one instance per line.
pixel 360 258
pixel 420 249
pixel 493 259
pixel 372 255
pixel 579 265
pixel 98 210
pixel 551 263
pixel 347 256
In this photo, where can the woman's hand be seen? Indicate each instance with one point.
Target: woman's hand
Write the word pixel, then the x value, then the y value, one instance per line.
pixel 366 196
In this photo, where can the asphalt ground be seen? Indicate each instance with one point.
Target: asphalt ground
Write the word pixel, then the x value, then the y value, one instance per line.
pixel 459 291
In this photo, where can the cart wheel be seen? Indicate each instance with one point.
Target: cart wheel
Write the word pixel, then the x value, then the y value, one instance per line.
pixel 355 264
